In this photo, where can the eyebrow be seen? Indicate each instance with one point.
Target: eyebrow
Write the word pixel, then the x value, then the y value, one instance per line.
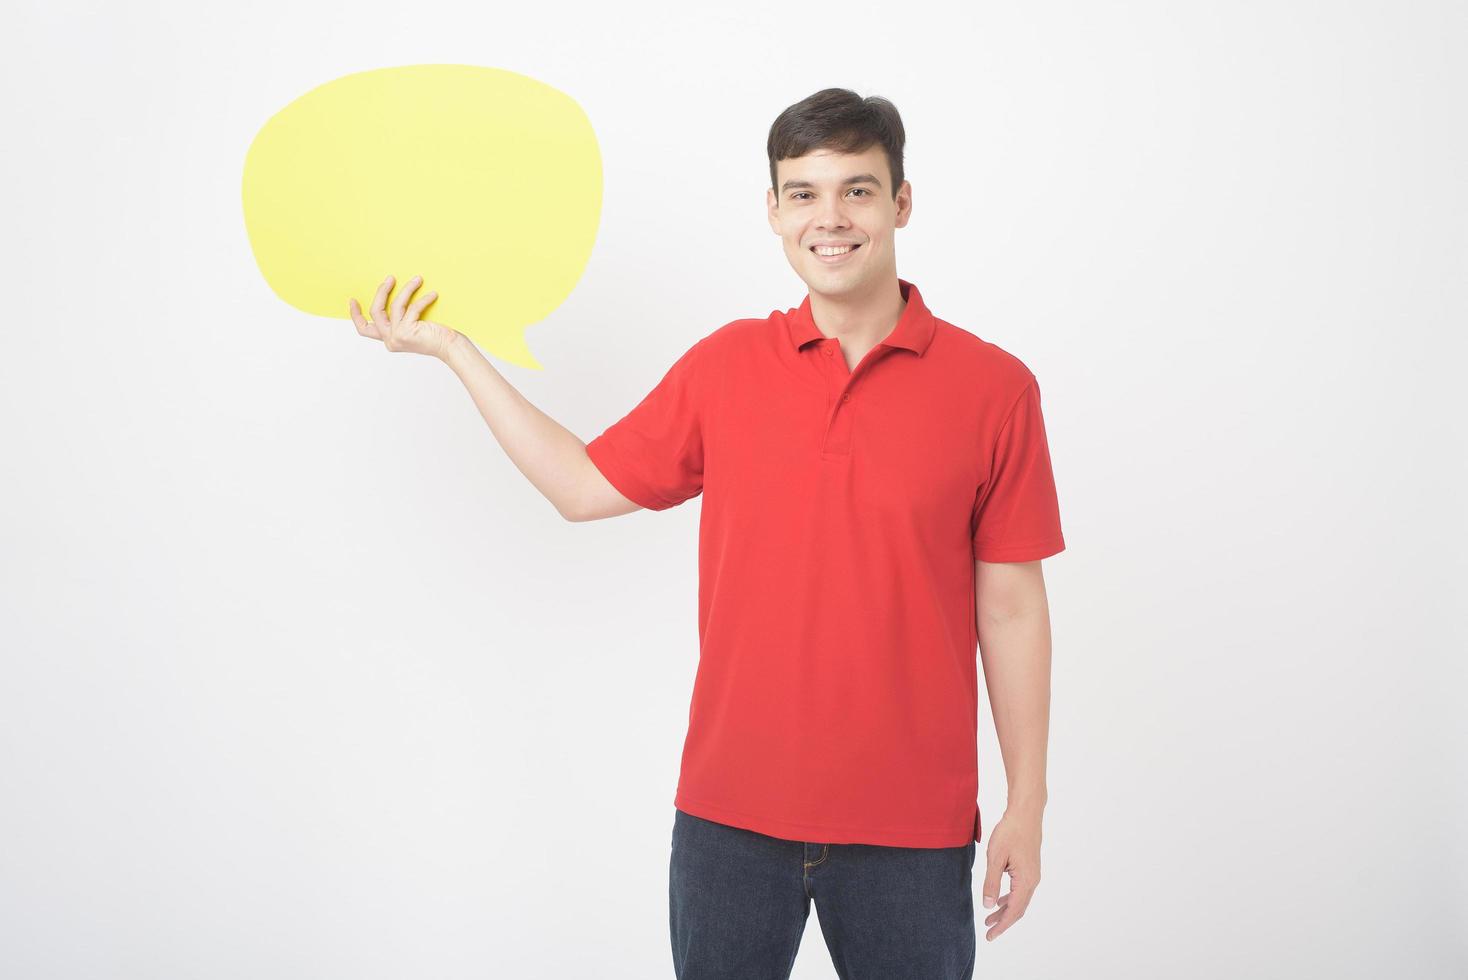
pixel 858 179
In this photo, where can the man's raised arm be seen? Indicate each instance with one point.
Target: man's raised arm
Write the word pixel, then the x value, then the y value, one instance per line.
pixel 551 456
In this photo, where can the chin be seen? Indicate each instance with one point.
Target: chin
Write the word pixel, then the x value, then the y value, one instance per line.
pixel 834 284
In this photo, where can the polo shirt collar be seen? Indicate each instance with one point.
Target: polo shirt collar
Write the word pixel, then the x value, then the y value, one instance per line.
pixel 914 329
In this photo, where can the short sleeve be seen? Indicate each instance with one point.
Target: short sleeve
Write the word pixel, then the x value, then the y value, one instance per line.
pixel 1016 514
pixel 654 454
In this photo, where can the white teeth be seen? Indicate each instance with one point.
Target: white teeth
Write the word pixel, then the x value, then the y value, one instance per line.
pixel 823 250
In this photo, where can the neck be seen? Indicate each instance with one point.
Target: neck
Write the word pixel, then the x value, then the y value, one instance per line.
pixel 862 320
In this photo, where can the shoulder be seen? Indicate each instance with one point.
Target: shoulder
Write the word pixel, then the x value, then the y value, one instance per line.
pixel 741 331
pixel 741 341
pixel 980 359
pixel 717 345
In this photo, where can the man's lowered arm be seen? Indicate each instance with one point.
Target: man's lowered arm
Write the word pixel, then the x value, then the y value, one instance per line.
pixel 1014 642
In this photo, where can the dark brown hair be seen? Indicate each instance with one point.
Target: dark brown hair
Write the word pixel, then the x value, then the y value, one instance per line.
pixel 838 119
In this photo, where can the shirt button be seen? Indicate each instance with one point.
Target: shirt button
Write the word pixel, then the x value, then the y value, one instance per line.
pixel 826 351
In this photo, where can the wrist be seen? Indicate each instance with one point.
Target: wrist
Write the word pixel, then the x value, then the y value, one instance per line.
pixel 454 349
pixel 1030 803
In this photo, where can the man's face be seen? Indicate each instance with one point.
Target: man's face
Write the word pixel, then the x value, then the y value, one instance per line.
pixel 827 196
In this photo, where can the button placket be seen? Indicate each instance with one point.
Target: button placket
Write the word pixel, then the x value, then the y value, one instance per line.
pixel 839 417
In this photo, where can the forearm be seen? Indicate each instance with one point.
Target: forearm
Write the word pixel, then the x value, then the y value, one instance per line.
pixel 550 456
pixel 1015 647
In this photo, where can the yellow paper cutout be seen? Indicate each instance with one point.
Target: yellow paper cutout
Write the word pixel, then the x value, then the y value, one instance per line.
pixel 485 182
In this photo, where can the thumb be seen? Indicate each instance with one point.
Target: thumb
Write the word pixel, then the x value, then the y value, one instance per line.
pixel 995 871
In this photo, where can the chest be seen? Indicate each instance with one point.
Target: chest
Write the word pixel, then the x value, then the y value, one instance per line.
pixel 884 439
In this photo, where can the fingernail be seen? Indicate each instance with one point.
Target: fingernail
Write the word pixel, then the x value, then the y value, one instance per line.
pixel 988 902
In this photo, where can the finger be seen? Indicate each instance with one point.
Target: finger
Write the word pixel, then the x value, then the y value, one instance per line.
pixel 379 307
pixel 996 864
pixel 363 327
pixel 416 310
pixel 401 299
pixel 1007 918
pixel 1014 908
pixel 1018 905
pixel 1005 921
pixel 379 300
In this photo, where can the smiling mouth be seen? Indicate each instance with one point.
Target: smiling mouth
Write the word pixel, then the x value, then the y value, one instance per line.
pixel 814 249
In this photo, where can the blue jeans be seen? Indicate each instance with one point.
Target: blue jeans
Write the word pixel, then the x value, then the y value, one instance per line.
pixel 738 903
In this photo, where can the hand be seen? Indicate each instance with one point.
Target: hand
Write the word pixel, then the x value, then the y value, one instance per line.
pixel 401 330
pixel 1014 845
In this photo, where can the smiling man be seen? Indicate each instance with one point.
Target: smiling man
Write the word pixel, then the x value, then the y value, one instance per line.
pixel 877 497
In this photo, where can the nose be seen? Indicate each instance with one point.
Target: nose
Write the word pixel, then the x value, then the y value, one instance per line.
pixel 832 215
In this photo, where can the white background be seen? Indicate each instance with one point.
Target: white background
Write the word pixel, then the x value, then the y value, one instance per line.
pixel 302 678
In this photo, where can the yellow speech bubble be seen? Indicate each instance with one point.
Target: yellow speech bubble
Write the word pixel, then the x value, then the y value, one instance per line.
pixel 485 182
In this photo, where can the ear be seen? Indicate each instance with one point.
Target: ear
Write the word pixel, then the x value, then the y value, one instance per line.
pixel 772 210
pixel 904 204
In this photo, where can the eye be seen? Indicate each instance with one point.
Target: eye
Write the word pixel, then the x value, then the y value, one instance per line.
pixel 797 194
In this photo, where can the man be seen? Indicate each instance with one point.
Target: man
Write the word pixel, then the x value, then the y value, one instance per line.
pixel 877 497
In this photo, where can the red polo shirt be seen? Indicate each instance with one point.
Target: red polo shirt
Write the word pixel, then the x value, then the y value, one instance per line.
pixel 836 697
